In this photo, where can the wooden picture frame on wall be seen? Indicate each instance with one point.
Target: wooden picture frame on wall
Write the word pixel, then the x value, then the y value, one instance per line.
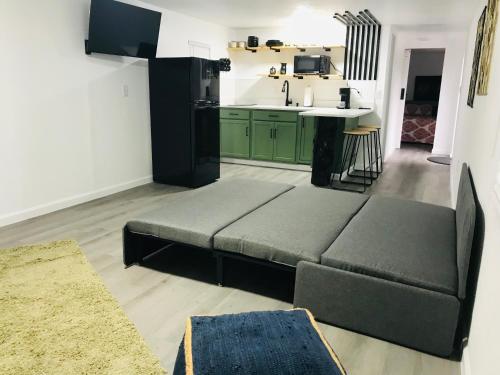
pixel 487 47
pixel 476 60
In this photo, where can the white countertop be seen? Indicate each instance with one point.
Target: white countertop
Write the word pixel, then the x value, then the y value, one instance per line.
pixel 335 112
pixel 308 111
pixel 270 107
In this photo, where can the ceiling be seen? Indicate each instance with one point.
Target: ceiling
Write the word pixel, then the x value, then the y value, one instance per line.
pixel 272 13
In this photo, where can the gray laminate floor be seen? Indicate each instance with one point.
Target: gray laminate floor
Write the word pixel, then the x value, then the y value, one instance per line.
pixel 159 302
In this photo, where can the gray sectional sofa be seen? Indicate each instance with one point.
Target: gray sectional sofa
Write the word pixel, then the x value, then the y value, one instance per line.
pixel 390 268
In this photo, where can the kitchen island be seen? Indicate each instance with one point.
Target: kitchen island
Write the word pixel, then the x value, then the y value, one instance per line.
pixel 329 140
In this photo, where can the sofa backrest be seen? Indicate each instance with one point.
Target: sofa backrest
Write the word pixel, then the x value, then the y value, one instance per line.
pixel 465 220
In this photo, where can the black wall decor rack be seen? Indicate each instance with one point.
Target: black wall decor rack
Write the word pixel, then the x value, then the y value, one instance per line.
pixel 362 45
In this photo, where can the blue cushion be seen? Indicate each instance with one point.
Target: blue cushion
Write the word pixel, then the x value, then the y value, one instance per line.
pixel 272 342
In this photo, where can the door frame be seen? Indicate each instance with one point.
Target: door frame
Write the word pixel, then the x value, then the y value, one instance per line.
pixel 453 43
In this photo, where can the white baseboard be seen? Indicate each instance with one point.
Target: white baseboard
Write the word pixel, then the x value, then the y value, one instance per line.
pixel 60 204
pixel 465 368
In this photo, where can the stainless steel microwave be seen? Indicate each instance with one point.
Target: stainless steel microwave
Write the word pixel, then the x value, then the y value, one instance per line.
pixel 313 64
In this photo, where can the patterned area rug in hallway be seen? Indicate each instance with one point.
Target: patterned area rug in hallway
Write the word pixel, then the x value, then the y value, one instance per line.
pixel 56 317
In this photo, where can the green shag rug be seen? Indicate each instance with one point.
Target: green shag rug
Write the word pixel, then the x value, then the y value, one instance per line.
pixel 56 317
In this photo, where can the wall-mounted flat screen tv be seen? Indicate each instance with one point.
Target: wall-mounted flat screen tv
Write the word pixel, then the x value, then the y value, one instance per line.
pixel 427 88
pixel 116 28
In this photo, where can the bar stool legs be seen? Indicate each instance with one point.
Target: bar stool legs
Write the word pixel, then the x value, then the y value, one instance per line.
pixel 378 144
pixel 355 139
pixel 381 155
pixel 374 150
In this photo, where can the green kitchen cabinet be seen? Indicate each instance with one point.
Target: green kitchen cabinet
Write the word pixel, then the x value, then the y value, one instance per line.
pixel 307 131
pixel 234 114
pixel 285 140
pixel 235 138
pixel 262 140
pixel 275 116
pixel 274 141
pixel 259 135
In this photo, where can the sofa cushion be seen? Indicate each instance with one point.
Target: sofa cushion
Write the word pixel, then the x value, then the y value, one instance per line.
pixel 298 225
pixel 197 215
pixel 466 222
pixel 404 241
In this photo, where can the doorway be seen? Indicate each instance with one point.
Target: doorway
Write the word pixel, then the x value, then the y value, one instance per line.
pixel 406 42
pixel 422 96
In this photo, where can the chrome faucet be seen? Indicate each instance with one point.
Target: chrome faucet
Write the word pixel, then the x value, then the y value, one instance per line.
pixel 286 88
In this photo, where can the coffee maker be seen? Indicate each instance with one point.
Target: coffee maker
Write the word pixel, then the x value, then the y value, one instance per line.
pixel 345 98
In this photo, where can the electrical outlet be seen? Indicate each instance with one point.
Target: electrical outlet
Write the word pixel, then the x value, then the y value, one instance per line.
pixel 125 91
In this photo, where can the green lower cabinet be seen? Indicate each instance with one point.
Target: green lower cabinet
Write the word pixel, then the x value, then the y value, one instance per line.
pixel 306 140
pixel 285 140
pixel 235 138
pixel 274 141
pixel 262 140
pixel 265 135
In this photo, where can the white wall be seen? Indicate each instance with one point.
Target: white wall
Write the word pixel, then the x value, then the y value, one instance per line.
pixel 454 43
pixel 423 63
pixel 478 144
pixel 68 133
pixel 178 30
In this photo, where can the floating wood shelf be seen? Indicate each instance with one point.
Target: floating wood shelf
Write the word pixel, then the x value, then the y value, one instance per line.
pixel 283 48
pixel 302 76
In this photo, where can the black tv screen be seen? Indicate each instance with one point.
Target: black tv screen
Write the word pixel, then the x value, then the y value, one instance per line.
pixel 121 29
pixel 427 88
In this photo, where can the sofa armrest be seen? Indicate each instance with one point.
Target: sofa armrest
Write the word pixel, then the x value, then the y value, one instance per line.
pixel 399 313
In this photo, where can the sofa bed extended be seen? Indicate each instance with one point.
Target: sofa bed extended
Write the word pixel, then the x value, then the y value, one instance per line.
pixel 390 268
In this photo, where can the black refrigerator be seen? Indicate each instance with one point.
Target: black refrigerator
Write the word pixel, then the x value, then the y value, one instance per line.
pixel 184 97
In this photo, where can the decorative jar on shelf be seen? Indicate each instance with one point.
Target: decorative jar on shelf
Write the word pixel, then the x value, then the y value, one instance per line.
pixel 283 68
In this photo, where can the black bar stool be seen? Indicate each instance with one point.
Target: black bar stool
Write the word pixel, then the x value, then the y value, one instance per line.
pixel 378 144
pixel 374 149
pixel 354 139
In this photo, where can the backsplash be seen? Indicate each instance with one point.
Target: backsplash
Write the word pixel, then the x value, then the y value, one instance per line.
pixel 264 90
pixel 247 83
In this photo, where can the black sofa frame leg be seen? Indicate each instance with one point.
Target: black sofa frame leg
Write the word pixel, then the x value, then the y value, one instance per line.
pixel 220 269
pixel 129 250
pixel 139 247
